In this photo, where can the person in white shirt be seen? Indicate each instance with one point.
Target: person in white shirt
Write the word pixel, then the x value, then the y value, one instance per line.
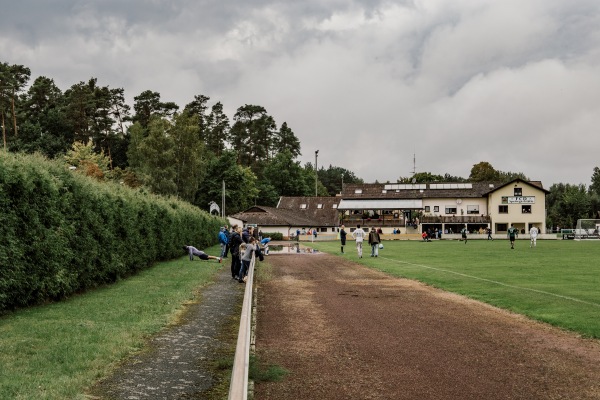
pixel 533 233
pixel 359 236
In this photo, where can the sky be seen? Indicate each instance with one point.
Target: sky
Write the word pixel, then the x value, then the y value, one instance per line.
pixel 381 88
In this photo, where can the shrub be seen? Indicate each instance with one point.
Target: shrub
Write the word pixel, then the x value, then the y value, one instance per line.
pixel 273 235
pixel 63 232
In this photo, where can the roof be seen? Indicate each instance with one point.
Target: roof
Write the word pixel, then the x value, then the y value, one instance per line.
pixel 270 216
pixel 322 211
pixel 430 190
pixel 380 204
pixel 536 184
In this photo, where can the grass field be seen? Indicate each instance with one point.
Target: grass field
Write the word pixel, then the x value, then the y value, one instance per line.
pixel 557 282
pixel 57 350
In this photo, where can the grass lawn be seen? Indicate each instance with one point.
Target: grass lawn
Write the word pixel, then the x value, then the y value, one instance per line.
pixel 557 282
pixel 57 350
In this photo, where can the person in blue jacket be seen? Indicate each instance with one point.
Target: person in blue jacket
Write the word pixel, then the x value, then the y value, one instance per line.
pixel 223 240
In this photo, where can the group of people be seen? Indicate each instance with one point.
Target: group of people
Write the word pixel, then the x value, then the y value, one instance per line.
pixel 241 243
pixel 512 234
pixel 359 235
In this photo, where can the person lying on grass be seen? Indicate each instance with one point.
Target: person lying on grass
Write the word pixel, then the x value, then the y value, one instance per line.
pixel 192 251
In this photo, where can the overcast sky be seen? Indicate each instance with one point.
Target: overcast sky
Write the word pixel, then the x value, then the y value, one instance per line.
pixel 367 83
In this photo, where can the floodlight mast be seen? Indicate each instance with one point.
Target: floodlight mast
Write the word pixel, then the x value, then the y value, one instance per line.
pixel 316 172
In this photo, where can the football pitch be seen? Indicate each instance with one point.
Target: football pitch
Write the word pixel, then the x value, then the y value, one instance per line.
pixel 558 282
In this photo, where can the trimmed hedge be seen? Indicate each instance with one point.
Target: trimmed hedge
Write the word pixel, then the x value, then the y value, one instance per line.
pixel 273 235
pixel 61 232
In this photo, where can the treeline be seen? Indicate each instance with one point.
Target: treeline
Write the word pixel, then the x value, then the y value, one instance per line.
pixel 189 152
pixel 63 233
pixel 184 152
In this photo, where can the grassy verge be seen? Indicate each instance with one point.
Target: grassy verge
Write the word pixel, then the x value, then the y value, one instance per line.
pixel 56 351
pixel 557 282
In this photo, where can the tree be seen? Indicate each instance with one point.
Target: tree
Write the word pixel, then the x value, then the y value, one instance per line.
pixel 13 79
pixel 45 128
pixel 147 104
pixel 240 184
pixel 189 155
pixel 333 177
pixel 252 135
pixel 423 177
pixel 595 186
pixel 287 176
pixel 567 203
pixel 286 140
pixel 308 173
pixel 217 129
pixel 85 160
pixel 483 172
pixel 156 165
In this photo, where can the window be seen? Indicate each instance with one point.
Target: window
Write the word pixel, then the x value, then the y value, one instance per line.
pixel 501 227
pixel 319 206
pixel 436 208
pixel 526 209
pixel 358 191
pixel 518 192
pixel 502 209
pixel 334 206
pixel 427 209
pixel 450 209
pixel 384 191
pixel 302 206
pixel 473 209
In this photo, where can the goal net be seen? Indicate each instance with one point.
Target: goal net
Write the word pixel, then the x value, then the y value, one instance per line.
pixel 587 229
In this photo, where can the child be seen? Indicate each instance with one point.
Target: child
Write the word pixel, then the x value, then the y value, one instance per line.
pixel 192 251
pixel 265 243
pixel 246 258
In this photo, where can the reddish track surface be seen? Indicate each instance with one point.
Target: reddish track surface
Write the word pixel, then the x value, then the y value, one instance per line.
pixel 347 332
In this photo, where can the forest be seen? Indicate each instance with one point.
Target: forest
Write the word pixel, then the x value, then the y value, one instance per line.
pixel 187 152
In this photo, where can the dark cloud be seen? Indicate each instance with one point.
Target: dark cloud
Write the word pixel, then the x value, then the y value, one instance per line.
pixel 369 83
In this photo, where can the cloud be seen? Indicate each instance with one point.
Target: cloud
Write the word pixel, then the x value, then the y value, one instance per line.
pixel 367 83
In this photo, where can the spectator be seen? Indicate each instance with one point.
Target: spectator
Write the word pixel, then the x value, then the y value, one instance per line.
pixel 374 241
pixel 223 240
pixel 234 245
pixel 246 258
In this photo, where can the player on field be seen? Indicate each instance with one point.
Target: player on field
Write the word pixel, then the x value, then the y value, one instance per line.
pixel 463 233
pixel 512 235
pixel 533 234
pixel 359 236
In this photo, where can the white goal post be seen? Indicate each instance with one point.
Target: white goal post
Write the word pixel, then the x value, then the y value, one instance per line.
pixel 587 229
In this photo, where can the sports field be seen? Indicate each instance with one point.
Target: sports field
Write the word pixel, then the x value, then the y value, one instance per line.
pixel 557 282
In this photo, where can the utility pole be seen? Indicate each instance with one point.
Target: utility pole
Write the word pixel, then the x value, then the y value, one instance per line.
pixel 223 200
pixel 316 172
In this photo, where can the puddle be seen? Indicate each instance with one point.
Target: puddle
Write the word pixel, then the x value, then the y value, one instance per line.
pixel 291 248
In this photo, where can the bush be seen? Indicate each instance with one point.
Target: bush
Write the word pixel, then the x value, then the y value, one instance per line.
pixel 273 235
pixel 63 232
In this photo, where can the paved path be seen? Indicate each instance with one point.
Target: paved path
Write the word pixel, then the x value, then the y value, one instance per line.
pixel 348 332
pixel 178 362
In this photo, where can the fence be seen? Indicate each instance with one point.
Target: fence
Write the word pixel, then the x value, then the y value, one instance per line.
pixel 238 387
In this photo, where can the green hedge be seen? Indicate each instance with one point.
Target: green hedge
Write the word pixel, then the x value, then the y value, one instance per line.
pixel 61 232
pixel 273 235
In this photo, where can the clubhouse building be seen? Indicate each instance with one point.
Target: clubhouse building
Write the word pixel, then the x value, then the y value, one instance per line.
pixel 410 209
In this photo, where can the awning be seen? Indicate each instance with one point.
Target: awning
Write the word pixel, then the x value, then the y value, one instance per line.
pixel 391 204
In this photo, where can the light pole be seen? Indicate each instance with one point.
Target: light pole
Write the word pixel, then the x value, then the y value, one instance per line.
pixel 316 172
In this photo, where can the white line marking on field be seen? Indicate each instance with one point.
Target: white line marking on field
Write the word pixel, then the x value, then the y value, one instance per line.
pixel 495 282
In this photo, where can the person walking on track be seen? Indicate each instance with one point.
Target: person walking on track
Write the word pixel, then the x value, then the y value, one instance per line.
pixel 359 236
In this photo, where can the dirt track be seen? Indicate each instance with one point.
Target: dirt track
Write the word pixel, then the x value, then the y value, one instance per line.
pixel 347 332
